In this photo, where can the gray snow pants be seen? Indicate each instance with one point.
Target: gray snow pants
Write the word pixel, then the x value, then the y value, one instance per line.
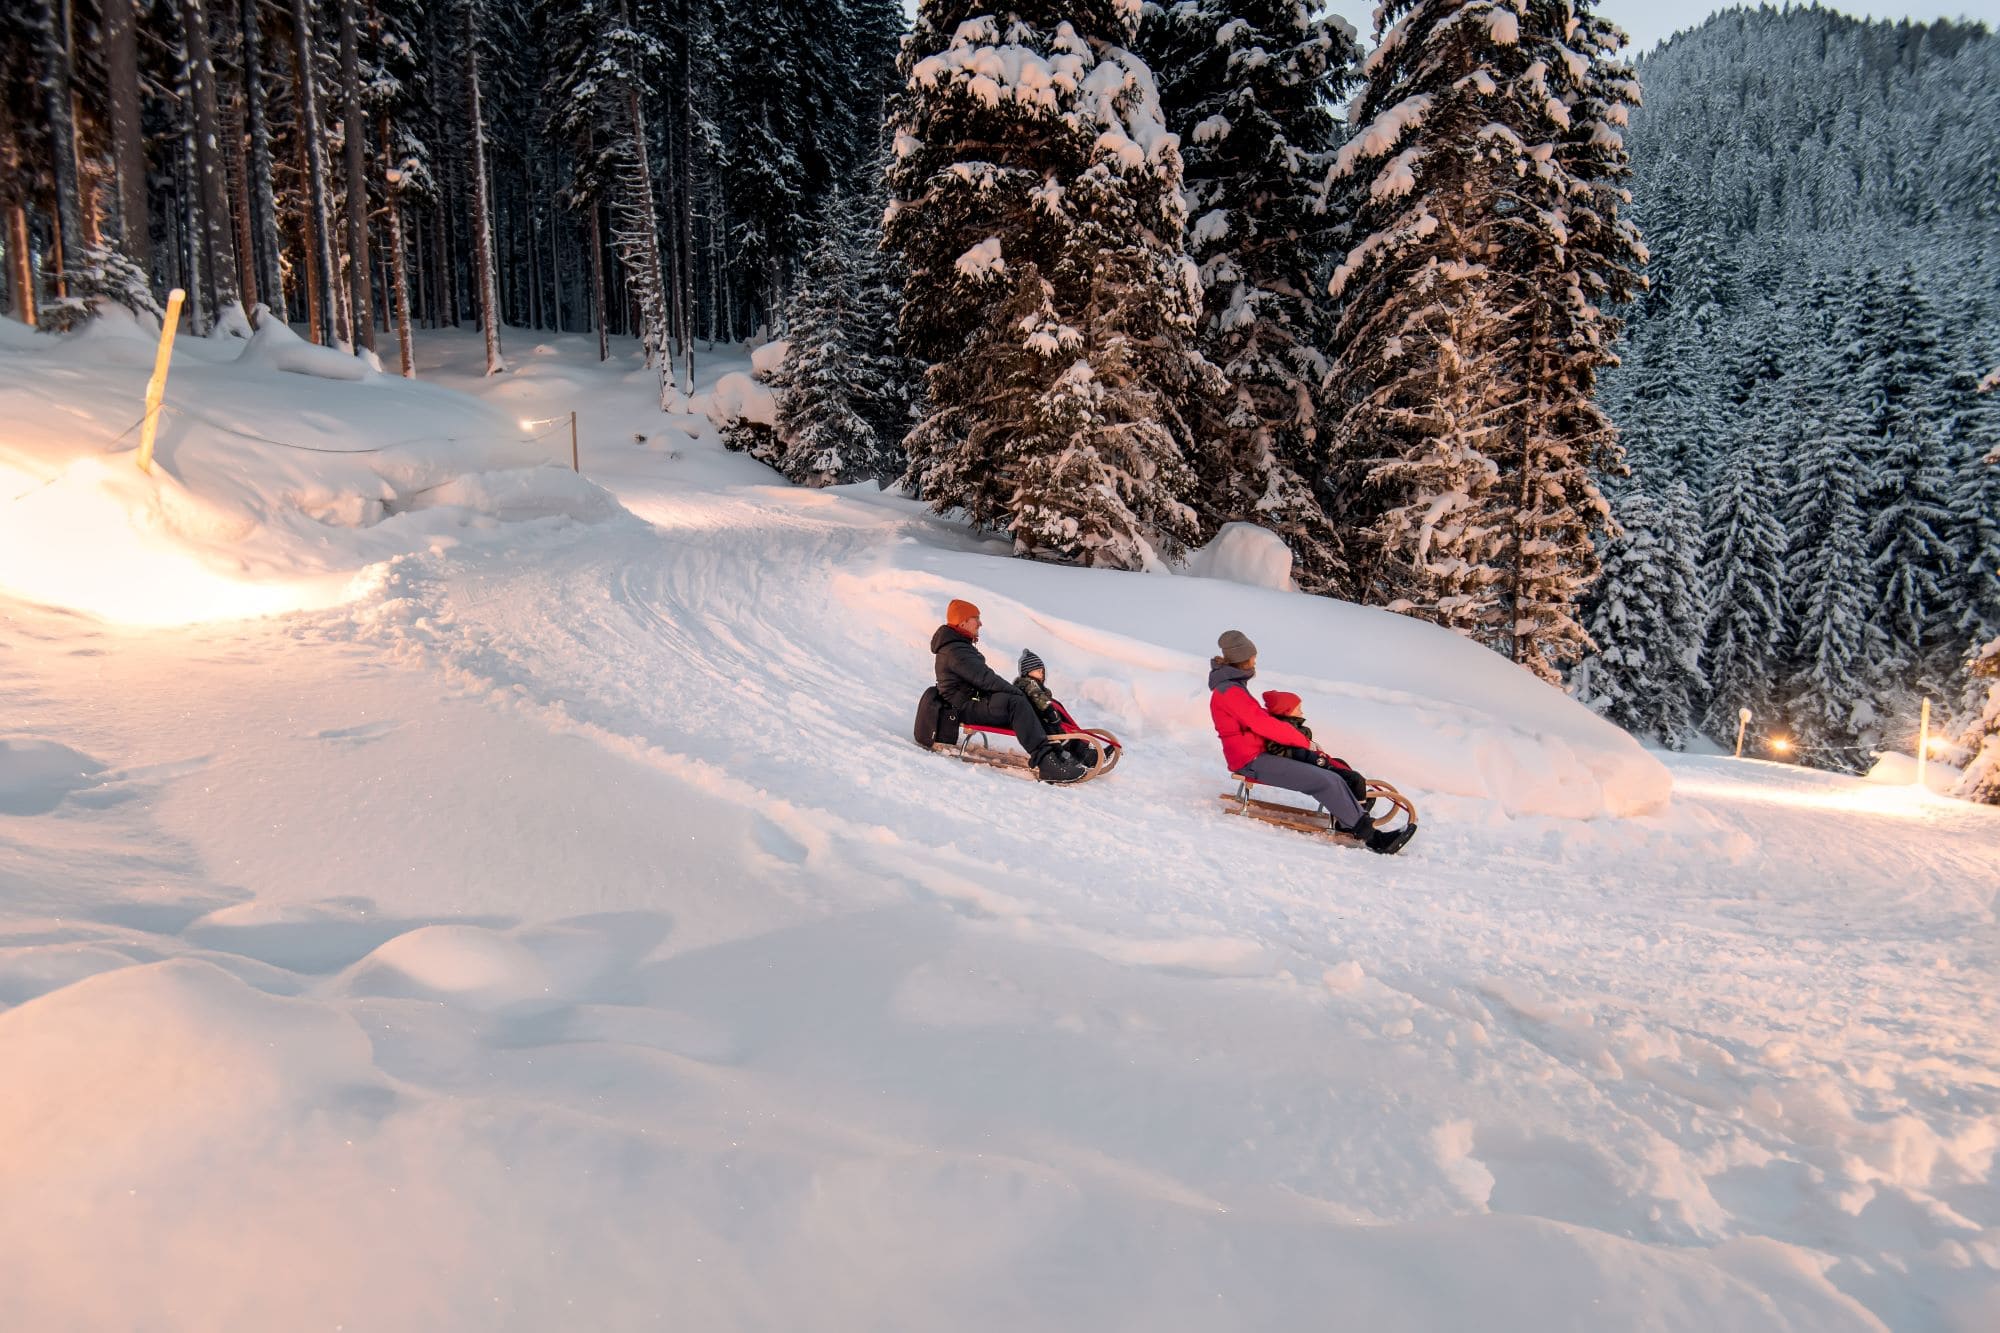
pixel 1323 785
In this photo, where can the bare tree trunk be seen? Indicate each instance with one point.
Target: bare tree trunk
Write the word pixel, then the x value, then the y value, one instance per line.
pixel 20 264
pixel 482 204
pixel 263 205
pixel 399 286
pixel 239 186
pixel 361 316
pixel 399 280
pixel 193 233
pixel 56 54
pixel 320 224
pixel 211 178
pixel 128 143
pixel 598 314
pixel 309 246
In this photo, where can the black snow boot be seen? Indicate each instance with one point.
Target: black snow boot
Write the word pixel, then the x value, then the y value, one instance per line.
pixel 1054 765
pixel 1387 842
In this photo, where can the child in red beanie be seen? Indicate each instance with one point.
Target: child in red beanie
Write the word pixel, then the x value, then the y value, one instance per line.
pixel 1287 707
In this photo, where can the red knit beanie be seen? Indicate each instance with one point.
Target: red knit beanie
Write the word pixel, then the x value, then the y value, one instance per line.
pixel 1280 704
pixel 959 612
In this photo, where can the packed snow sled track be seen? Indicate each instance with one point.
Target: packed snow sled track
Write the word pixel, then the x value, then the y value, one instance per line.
pixel 568 935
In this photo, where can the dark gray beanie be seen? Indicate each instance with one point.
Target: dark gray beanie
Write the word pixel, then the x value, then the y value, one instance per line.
pixel 1030 662
pixel 1236 647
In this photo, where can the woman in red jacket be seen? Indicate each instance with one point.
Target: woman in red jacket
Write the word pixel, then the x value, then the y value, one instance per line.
pixel 1244 726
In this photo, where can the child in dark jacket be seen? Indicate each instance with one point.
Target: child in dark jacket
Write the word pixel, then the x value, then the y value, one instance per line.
pixel 1033 682
pixel 1288 707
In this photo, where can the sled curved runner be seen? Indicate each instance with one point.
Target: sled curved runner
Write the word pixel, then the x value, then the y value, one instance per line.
pixel 975 746
pixel 1380 794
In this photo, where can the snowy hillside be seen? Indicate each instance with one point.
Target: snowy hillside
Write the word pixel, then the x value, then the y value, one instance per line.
pixel 546 922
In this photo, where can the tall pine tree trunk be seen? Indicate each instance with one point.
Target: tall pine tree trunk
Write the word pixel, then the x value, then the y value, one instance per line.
pixel 217 258
pixel 399 271
pixel 128 143
pixel 239 186
pixel 194 233
pixel 482 204
pixel 56 55
pixel 319 222
pixel 598 314
pixel 20 264
pixel 263 204
pixel 399 286
pixel 309 247
pixel 361 317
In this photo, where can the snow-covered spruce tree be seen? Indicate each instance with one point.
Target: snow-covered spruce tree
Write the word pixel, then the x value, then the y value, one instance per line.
pixel 1036 205
pixel 1408 192
pixel 1247 86
pixel 1981 781
pixel 1646 619
pixel 1832 594
pixel 1572 257
pixel 1743 575
pixel 1447 400
pixel 1488 141
pixel 1974 434
pixel 834 378
pixel 1910 555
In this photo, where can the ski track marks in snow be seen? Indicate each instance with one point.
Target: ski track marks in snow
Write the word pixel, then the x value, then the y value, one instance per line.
pixel 647 966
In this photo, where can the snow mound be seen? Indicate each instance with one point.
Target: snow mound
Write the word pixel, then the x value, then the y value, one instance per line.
pixel 1900 770
pixel 36 776
pixel 167 1059
pixel 1245 553
pixel 273 346
pixel 766 359
pixel 469 965
pixel 737 397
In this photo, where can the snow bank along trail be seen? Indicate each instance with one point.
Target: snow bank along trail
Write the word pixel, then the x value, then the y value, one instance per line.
pixel 567 934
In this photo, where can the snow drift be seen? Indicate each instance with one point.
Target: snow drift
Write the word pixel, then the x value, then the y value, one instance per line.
pixel 281 470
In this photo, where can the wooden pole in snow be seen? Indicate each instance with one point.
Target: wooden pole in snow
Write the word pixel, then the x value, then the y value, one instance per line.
pixel 576 465
pixel 156 387
pixel 1923 741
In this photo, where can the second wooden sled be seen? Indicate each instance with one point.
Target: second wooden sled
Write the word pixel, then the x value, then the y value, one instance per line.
pixel 1315 822
pixel 975 746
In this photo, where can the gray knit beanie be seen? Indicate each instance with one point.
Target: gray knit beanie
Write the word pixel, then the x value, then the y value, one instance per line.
pixel 1030 662
pixel 1236 647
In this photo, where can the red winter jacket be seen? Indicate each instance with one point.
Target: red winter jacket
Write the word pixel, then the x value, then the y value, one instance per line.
pixel 1241 721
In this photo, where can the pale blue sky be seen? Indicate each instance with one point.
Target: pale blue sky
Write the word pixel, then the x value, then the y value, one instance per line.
pixel 1648 21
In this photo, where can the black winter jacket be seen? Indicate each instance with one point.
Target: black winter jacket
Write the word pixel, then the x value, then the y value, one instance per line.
pixel 962 673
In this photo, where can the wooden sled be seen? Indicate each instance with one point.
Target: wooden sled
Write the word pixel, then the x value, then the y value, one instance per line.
pixel 975 746
pixel 1383 804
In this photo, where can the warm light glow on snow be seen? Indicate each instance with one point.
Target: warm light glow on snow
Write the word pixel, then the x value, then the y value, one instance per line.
pixel 97 540
pixel 1855 798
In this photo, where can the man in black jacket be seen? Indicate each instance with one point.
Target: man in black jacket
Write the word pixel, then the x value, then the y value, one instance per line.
pixel 978 695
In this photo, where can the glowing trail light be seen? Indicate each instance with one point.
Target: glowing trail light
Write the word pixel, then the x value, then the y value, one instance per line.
pixel 575 461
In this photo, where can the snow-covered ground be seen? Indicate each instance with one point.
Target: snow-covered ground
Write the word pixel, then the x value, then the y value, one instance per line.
pixel 547 923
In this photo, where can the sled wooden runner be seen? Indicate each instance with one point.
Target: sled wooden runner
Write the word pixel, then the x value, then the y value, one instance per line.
pixel 975 746
pixel 1315 822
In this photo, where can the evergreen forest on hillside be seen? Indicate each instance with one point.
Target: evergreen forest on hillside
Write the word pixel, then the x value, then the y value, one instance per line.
pixel 1666 378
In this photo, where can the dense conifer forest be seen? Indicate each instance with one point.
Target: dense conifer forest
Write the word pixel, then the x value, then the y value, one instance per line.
pixel 1661 378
